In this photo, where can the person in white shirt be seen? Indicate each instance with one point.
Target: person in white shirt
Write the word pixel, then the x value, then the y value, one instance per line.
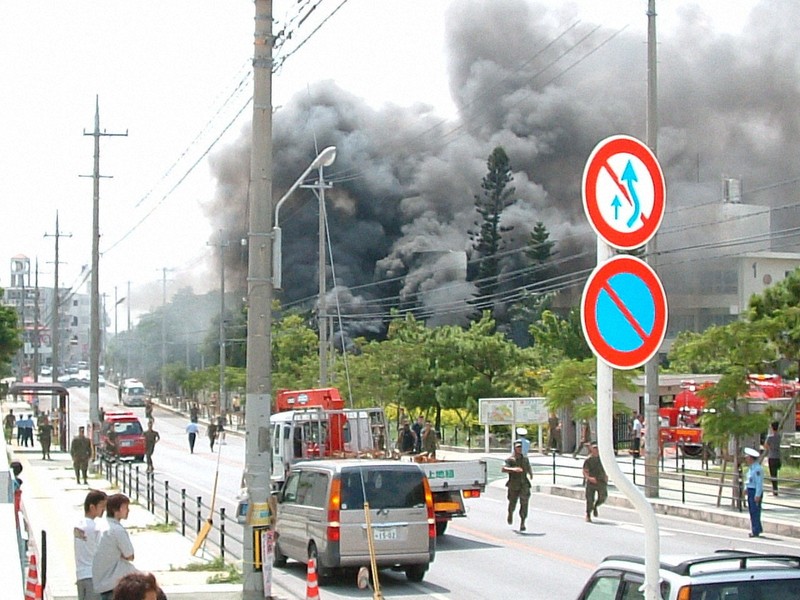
pixel 86 534
pixel 114 556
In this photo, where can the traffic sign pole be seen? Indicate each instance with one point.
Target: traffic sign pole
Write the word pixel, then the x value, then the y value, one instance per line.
pixel 605 444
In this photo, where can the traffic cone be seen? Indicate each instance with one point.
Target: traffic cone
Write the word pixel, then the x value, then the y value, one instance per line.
pixel 33 589
pixel 312 589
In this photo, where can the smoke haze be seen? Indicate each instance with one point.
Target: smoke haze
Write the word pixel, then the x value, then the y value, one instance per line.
pixel 546 87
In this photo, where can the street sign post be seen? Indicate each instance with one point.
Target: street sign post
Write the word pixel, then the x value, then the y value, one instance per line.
pixel 623 192
pixel 624 312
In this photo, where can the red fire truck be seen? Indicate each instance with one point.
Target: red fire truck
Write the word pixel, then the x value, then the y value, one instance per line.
pixel 680 422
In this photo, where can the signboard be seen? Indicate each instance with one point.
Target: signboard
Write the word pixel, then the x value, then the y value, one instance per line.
pixel 623 192
pixel 268 554
pixel 510 411
pixel 624 312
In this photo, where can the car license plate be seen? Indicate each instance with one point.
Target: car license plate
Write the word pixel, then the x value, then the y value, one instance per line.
pixel 384 533
pixel 126 443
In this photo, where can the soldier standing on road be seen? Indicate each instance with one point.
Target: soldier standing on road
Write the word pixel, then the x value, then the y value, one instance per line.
pixel 45 437
pixel 192 428
pixel 596 482
pixel 8 425
pixel 754 483
pixel 429 442
pixel 81 452
pixel 519 472
pixel 151 437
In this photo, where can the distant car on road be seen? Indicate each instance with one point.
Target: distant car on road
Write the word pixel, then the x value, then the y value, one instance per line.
pixel 122 436
pixel 133 393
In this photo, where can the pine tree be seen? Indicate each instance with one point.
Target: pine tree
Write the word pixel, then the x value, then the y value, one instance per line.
pixel 487 239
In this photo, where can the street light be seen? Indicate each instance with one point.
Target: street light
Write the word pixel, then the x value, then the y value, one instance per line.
pixel 324 159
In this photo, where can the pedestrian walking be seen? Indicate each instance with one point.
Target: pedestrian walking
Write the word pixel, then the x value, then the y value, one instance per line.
pixel 554 433
pixel 46 437
pixel 429 441
pixel 584 439
pixel 81 452
pixel 148 409
pixel 594 475
pixel 86 534
pixel 754 484
pixel 114 556
pixel 772 445
pixel 192 428
pixel 9 421
pixel 25 431
pixel 212 435
pixel 519 472
pixel 221 419
pixel 151 438
pixel 193 413
pixel 637 430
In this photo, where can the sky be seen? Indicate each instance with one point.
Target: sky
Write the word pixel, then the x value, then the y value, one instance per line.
pixel 175 77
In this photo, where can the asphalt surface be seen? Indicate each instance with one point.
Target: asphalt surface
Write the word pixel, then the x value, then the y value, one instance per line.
pixel 52 501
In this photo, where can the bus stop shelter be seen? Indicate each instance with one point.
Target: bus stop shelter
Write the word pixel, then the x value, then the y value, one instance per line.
pixel 58 407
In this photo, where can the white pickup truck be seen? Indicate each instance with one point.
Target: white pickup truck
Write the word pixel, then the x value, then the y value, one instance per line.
pixel 451 481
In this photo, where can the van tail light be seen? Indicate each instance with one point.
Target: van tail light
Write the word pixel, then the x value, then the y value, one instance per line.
pixel 472 493
pixel 333 532
pixel 429 506
pixel 685 593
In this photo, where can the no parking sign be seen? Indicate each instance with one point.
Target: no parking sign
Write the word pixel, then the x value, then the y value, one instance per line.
pixel 624 307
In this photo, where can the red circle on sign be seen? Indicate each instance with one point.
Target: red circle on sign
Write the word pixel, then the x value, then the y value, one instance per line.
pixel 597 163
pixel 599 283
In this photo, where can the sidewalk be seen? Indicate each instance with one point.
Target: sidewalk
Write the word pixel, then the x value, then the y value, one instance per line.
pixel 53 500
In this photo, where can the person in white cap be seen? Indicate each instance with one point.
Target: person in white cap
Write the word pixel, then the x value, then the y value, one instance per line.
pixel 754 484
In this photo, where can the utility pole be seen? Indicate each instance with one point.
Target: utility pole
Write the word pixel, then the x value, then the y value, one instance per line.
pixel 56 328
pixel 128 339
pixel 36 322
pixel 163 334
pixel 257 471
pixel 94 337
pixel 322 321
pixel 651 483
pixel 223 396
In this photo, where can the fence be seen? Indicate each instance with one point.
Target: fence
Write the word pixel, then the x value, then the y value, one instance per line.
pixel 694 480
pixel 175 507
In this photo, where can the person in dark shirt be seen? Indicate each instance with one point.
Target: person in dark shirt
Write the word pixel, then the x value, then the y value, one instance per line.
pixel 520 473
pixel 406 440
pixel 151 438
pixel 81 452
pixel 417 429
pixel 45 437
pixel 596 482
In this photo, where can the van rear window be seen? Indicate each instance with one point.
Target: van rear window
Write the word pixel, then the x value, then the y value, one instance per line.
pixel 754 589
pixel 385 488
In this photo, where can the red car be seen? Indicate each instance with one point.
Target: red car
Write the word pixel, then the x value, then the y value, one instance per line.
pixel 122 436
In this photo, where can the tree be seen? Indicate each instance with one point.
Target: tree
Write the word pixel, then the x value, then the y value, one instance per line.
pixel 539 251
pixel 737 349
pixel 778 306
pixel 488 237
pixel 10 340
pixel 558 338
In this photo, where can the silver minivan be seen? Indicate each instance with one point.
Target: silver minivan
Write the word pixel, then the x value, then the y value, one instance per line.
pixel 321 514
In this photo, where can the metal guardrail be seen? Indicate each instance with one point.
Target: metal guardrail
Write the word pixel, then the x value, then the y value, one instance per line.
pixel 680 481
pixel 174 506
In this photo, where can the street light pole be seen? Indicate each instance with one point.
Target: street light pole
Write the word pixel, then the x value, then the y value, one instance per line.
pixel 323 159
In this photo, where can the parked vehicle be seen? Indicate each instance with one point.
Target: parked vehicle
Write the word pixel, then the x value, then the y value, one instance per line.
pixel 727 574
pixel 322 513
pixel 122 436
pixel 314 424
pixel 680 421
pixel 451 481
